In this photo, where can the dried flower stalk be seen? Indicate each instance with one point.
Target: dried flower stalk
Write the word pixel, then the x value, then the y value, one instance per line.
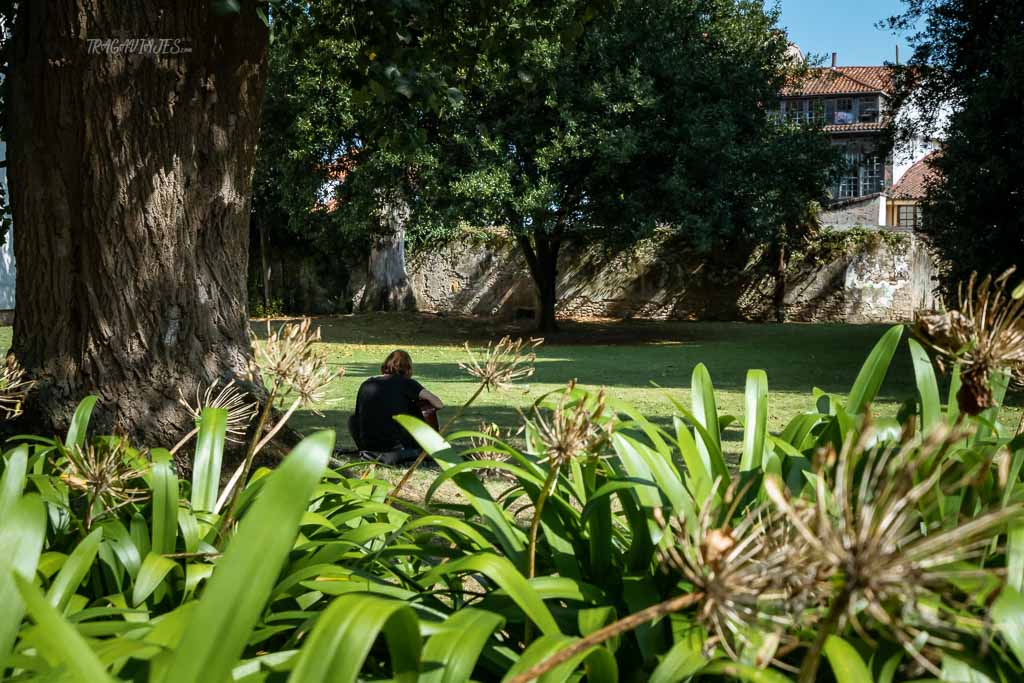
pixel 986 334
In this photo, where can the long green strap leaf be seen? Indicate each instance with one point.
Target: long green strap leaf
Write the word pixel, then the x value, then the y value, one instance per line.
pixel 209 452
pixel 847 665
pixel 927 387
pixel 600 663
pixel 60 638
pixel 1008 616
pixel 74 570
pixel 702 399
pixel 339 643
pixel 165 502
pixel 872 373
pixel 499 570
pixel 151 574
pixel 21 541
pixel 756 420
pixel 450 655
pixel 12 483
pixel 80 423
pixel 237 593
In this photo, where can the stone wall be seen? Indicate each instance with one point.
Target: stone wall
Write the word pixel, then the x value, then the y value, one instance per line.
pixel 862 279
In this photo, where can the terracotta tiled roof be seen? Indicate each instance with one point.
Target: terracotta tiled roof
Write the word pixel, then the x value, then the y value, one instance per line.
pixel 914 183
pixel 842 80
pixel 854 127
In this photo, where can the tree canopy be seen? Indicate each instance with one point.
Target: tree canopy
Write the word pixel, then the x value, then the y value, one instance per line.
pixel 657 116
pixel 966 79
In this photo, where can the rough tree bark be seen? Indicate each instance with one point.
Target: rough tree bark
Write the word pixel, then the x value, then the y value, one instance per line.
pixel 387 283
pixel 541 253
pixel 130 180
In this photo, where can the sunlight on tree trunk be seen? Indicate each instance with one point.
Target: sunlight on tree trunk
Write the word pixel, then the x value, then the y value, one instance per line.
pixel 130 181
pixel 387 284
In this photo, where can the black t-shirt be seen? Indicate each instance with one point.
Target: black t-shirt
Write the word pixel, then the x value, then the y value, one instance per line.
pixel 379 399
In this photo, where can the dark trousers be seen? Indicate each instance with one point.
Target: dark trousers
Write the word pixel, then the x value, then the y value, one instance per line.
pixel 401 453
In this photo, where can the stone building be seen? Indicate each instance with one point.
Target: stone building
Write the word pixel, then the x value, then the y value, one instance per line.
pixel 853 105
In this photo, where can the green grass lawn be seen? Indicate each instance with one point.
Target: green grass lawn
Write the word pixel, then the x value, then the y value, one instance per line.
pixel 626 358
pixel 623 357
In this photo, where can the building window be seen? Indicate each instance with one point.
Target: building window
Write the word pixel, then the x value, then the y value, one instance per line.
pixel 863 172
pixel 871 175
pixel 799 111
pixel 908 216
pixel 868 110
pixel 844 111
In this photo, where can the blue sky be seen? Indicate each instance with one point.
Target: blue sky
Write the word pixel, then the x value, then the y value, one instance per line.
pixel 844 26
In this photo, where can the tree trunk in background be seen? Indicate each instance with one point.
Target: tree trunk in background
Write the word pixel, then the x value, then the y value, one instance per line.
pixel 264 269
pixel 542 258
pixel 779 295
pixel 387 284
pixel 130 180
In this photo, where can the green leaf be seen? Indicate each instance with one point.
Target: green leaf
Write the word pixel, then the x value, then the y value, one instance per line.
pixel 451 653
pixel 121 542
pixel 1008 616
pixel 1015 556
pixel 956 670
pixel 600 662
pixel 237 593
pixel 502 572
pixel 847 665
pixel 702 399
pixel 154 568
pixel 12 483
pixel 74 570
pixel 953 405
pixel 21 540
pixel 684 660
pixel 345 632
pixel 745 672
pixel 80 423
pixel 869 379
pixel 209 451
pixel 927 387
pixel 756 420
pixel 60 638
pixel 165 502
pixel 512 539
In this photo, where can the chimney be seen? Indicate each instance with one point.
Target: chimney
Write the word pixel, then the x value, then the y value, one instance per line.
pixel 897 54
pixel 833 60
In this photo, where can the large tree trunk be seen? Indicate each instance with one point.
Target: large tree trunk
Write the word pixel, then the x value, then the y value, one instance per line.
pixel 130 180
pixel 542 259
pixel 387 283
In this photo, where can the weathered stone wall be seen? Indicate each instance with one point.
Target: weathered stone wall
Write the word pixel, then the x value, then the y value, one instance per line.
pixel 854 213
pixel 863 280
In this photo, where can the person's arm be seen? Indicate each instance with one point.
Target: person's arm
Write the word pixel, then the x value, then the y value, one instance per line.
pixel 431 399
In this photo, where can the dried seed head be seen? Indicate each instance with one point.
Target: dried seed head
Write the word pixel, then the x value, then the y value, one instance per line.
pixel 756 576
pixel 986 334
pixel 293 361
pixel 866 531
pixel 504 363
pixel 105 471
pixel 229 397
pixel 573 431
pixel 482 448
pixel 14 386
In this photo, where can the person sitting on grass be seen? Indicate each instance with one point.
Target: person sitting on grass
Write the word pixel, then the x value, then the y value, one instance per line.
pixel 393 392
